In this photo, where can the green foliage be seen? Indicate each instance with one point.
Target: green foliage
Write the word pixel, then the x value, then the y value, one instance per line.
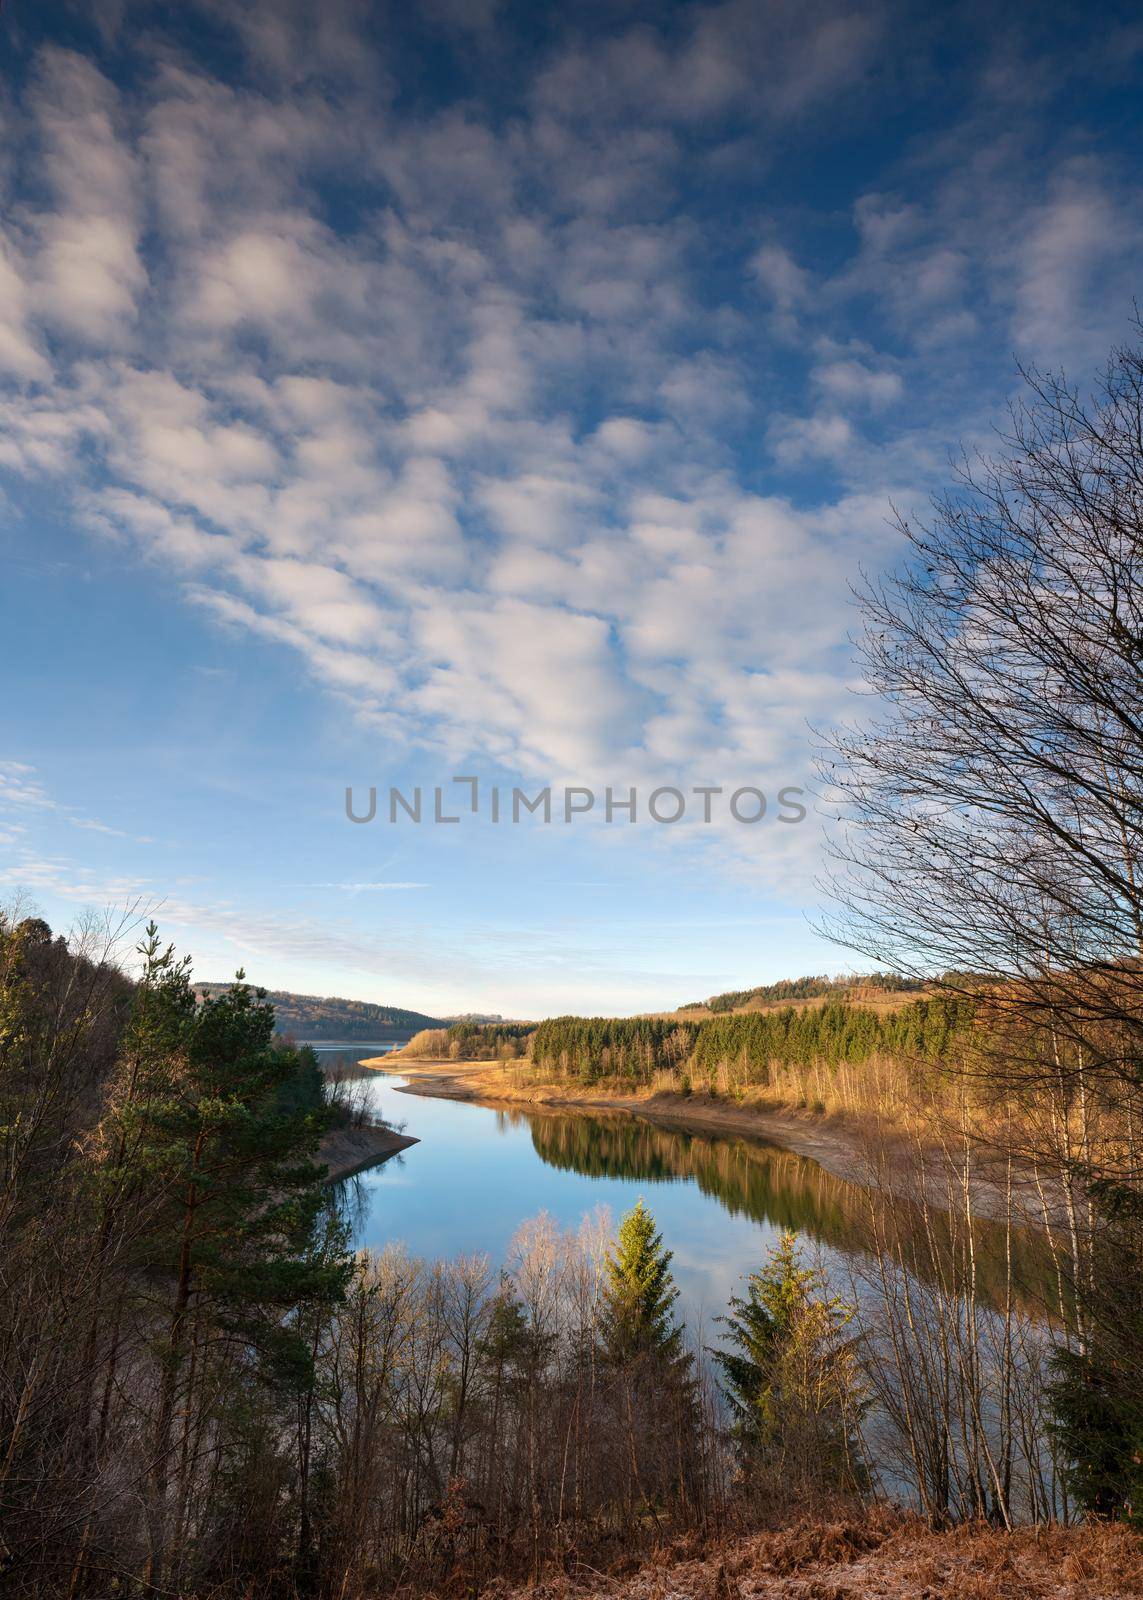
pixel 1098 1426
pixel 788 1374
pixel 588 1049
pixel 1097 1392
pixel 226 1126
pixel 637 1318
pixel 591 1048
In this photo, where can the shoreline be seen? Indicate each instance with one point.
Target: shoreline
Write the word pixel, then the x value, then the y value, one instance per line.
pixel 346 1151
pixel 854 1149
pixel 828 1141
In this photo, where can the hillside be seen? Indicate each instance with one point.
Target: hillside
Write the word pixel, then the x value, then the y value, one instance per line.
pixel 309 1016
pixel 879 990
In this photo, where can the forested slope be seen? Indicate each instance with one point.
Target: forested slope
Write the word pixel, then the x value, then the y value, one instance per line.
pixel 750 1044
pixel 309 1016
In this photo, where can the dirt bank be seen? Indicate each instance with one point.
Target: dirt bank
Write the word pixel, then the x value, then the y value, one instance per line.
pixel 857 1150
pixel 829 1141
pixel 349 1150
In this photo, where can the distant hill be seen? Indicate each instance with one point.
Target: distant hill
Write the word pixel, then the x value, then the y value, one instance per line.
pixel 867 987
pixel 311 1016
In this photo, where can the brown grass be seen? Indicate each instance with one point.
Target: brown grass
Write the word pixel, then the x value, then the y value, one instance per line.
pixel 884 1554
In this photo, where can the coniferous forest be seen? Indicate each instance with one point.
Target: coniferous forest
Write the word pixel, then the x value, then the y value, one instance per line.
pixel 636 1049
pixel 309 1016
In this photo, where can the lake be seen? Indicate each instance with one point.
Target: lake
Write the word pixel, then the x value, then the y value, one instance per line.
pixel 720 1200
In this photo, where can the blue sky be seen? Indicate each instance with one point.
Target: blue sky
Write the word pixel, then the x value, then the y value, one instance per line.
pixel 505 391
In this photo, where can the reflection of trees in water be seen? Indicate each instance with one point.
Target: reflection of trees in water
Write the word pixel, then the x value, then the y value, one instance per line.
pixel 775 1186
pixel 352 1199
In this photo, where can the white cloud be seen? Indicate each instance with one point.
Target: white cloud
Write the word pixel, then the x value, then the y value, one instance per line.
pixel 452 404
pixel 853 383
pixel 23 793
pixel 780 277
pixel 21 352
pixel 1067 252
pixel 89 274
pixel 824 436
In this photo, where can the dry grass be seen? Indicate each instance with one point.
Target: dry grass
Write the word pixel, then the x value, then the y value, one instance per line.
pixel 884 1554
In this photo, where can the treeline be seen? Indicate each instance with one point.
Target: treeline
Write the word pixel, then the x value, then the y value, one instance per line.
pixel 808 988
pixel 476 1041
pixel 471 1041
pixel 203 1392
pixel 751 1046
pixel 308 1016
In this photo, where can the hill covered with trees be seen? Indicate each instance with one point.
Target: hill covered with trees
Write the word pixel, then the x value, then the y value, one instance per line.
pixel 310 1016
pixel 817 987
pixel 750 1049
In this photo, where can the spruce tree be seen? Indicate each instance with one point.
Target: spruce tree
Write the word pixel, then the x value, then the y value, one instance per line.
pixel 639 1294
pixel 788 1375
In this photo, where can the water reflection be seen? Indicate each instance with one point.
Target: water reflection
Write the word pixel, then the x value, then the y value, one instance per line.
pixel 720 1201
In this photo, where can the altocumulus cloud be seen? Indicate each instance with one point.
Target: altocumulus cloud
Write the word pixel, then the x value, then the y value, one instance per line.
pixel 532 409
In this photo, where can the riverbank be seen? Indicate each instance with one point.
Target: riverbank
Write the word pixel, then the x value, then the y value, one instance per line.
pixel 829 1141
pixel 858 1150
pixel 349 1150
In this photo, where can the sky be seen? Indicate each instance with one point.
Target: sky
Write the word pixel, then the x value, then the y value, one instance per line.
pixel 515 393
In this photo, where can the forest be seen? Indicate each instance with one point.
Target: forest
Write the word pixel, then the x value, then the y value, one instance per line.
pixel 753 1047
pixel 808 988
pixel 203 1391
pixel 320 1017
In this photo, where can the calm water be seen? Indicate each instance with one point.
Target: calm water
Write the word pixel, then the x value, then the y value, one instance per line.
pixel 478 1172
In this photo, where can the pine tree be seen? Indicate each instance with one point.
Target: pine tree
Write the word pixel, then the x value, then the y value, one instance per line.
pixel 788 1376
pixel 639 1293
pixel 215 1134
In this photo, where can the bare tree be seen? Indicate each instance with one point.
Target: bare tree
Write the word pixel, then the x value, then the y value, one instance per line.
pixel 991 807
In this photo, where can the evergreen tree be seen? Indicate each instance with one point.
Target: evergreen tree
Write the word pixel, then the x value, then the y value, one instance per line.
pixel 639 1293
pixel 219 1126
pixel 1097 1392
pixel 788 1375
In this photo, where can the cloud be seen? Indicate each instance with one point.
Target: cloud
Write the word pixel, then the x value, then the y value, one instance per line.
pixel 22 792
pixel 774 62
pixel 1071 252
pixel 780 277
pixel 524 438
pixel 22 355
pixel 357 888
pixel 853 383
pixel 89 274
pixel 824 436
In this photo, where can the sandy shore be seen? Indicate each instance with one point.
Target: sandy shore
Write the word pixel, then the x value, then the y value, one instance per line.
pixel 349 1150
